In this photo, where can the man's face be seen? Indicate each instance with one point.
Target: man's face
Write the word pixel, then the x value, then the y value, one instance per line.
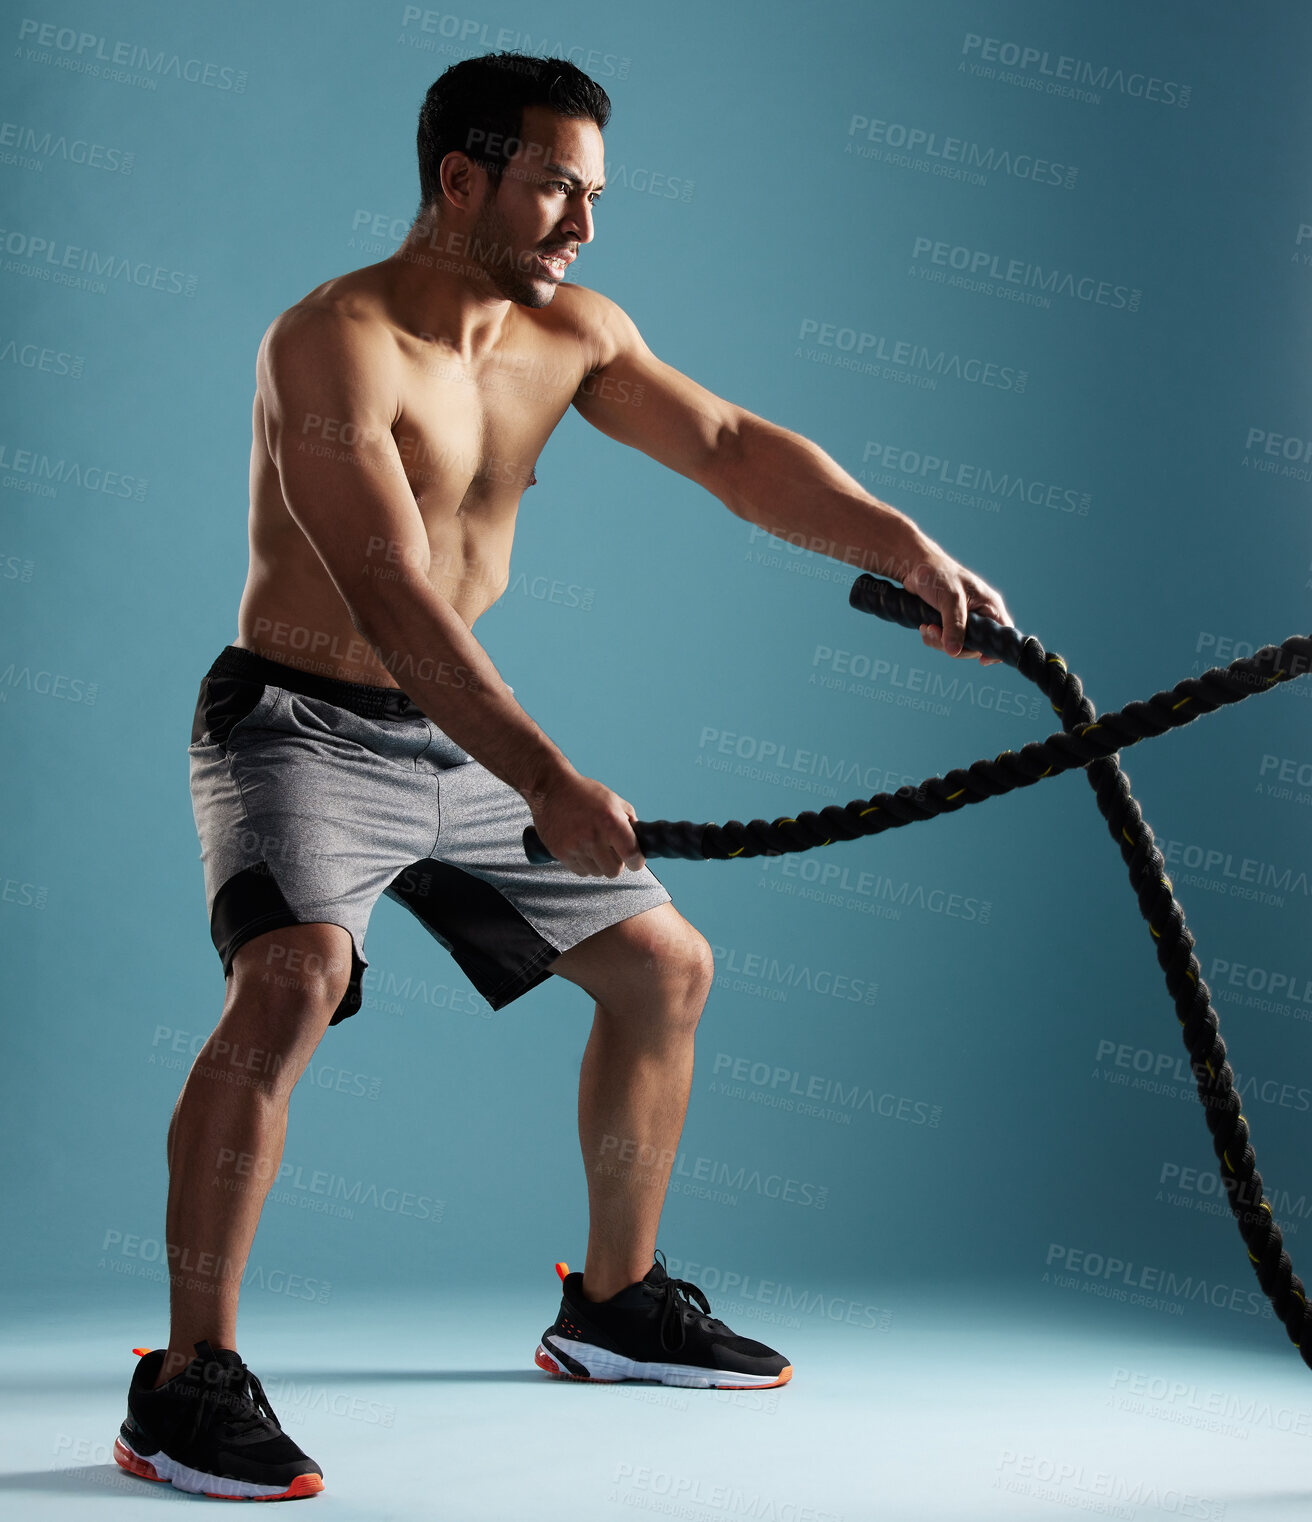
pixel 543 206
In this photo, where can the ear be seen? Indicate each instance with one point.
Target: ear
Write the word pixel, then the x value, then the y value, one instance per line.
pixel 463 181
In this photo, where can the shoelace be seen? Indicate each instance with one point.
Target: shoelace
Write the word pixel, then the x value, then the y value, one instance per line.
pixel 238 1400
pixel 677 1297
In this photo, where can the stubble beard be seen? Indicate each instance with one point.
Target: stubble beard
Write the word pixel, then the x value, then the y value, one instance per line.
pixel 506 275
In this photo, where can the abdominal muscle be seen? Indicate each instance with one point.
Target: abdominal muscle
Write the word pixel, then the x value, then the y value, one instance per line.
pixel 292 612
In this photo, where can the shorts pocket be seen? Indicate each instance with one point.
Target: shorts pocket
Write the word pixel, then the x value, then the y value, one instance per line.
pixel 228 706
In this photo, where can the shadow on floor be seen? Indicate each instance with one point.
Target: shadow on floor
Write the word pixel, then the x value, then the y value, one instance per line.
pixel 84 1480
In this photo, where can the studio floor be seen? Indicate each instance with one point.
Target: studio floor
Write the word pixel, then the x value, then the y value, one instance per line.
pixel 952 1407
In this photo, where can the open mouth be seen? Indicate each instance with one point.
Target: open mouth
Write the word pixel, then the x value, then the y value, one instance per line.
pixel 555 265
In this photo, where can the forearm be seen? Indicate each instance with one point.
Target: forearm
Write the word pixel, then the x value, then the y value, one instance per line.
pixel 789 486
pixel 432 655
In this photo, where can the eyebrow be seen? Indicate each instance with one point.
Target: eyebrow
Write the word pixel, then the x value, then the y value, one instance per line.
pixel 572 175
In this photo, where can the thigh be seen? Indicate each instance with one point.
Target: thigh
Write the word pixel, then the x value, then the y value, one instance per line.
pixel 507 920
pixel 305 814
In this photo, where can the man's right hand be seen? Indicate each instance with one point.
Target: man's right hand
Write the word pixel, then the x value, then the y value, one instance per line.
pixel 585 825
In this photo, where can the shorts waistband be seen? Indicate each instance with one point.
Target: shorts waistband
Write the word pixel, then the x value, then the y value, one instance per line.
pixel 363 698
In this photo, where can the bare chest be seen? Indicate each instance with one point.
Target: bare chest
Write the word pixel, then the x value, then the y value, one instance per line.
pixel 469 435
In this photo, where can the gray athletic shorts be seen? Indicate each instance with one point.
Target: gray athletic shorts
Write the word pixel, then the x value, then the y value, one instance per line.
pixel 313 796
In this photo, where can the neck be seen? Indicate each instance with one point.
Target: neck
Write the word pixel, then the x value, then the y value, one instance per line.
pixel 440 292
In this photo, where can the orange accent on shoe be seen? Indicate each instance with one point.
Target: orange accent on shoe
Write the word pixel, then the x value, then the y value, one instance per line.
pixel 126 1459
pixel 140 1351
pixel 302 1485
pixel 785 1374
pixel 545 1361
pixel 562 1269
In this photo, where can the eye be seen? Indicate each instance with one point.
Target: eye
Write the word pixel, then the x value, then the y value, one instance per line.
pixel 566 187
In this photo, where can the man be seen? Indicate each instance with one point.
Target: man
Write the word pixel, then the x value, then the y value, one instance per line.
pixel 357 740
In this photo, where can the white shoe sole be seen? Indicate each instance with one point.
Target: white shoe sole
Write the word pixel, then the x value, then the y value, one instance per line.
pixel 601 1364
pixel 160 1467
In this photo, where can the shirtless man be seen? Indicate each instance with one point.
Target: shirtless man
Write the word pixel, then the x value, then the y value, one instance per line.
pixel 357 740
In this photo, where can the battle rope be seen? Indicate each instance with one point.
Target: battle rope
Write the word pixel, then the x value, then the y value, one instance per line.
pixel 1091 743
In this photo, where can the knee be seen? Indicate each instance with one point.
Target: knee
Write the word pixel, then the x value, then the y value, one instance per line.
pixel 281 999
pixel 680 967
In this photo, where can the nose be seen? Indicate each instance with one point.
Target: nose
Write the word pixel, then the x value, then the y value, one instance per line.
pixel 577 223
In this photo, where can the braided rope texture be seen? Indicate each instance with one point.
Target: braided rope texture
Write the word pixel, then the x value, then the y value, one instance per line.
pixel 1089 742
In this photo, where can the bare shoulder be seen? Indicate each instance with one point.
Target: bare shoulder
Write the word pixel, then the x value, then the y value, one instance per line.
pixel 602 325
pixel 337 333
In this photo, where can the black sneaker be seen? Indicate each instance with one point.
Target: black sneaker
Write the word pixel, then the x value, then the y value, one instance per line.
pixel 653 1330
pixel 211 1430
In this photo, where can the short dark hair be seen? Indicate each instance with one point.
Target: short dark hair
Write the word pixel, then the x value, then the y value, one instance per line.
pixel 477 108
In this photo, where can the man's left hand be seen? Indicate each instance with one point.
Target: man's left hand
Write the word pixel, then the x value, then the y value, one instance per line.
pixel 955 593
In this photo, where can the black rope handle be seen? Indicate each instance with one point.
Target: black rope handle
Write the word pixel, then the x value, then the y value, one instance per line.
pixel 1083 741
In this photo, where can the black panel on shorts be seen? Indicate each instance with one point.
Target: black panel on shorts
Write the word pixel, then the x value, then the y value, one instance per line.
pixel 251 902
pixel 222 703
pixel 498 950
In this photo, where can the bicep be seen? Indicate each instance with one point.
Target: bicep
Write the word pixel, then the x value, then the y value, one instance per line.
pixel 329 407
pixel 639 400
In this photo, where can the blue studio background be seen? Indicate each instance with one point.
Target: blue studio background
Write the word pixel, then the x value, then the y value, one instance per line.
pixel 1040 274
